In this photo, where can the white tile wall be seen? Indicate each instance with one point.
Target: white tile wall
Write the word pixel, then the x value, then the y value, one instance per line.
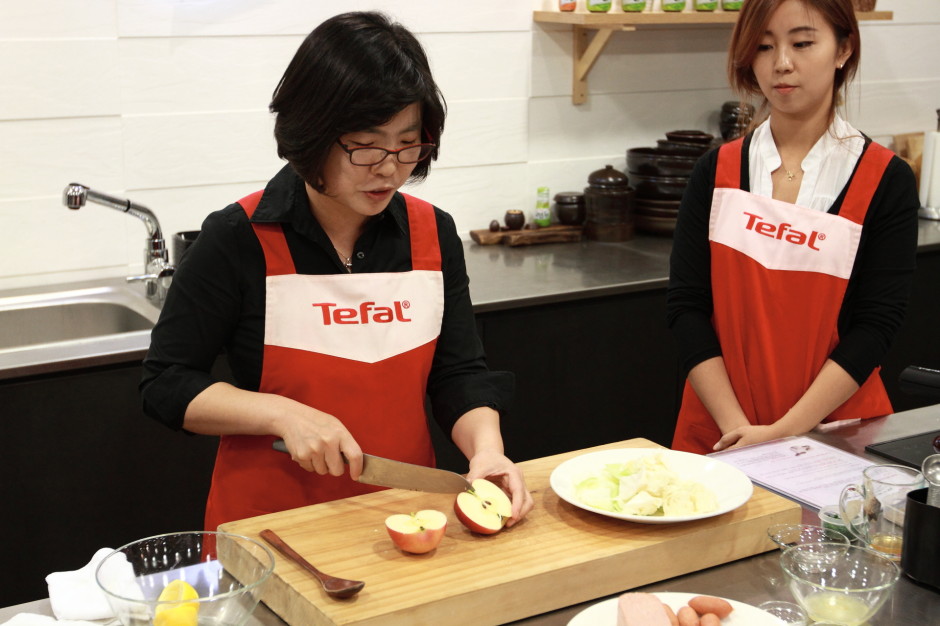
pixel 165 102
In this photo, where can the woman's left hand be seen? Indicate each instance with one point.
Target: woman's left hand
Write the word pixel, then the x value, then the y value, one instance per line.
pixel 747 435
pixel 498 469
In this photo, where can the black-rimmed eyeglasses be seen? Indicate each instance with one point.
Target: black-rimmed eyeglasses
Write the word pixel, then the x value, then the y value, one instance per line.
pixel 368 155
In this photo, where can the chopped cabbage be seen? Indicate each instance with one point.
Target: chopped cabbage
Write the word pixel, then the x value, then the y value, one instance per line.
pixel 644 486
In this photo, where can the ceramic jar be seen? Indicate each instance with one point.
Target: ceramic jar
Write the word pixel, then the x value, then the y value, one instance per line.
pixel 609 206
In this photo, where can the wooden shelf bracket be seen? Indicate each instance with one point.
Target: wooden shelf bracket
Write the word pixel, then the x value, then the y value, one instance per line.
pixel 586 51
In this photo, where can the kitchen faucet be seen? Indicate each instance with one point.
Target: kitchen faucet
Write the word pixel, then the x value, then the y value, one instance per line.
pixel 159 271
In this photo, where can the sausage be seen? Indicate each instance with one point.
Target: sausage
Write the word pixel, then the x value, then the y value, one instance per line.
pixel 688 617
pixel 671 615
pixel 709 619
pixel 709 604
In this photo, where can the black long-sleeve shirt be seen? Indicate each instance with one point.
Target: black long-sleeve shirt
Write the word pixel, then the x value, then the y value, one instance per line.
pixel 217 302
pixel 878 290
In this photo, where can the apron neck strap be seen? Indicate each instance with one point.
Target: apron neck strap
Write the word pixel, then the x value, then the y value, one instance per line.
pixel 425 248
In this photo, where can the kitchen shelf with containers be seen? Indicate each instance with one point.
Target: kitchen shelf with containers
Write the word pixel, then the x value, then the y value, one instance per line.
pixel 587 48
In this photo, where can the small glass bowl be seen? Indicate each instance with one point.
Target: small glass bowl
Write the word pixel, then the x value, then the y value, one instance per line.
pixel 787 612
pixel 835 582
pixel 789 535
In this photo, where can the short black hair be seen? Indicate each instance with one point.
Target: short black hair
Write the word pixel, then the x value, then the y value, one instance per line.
pixel 355 71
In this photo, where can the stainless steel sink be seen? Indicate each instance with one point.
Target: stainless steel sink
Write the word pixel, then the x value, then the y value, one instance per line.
pixel 67 327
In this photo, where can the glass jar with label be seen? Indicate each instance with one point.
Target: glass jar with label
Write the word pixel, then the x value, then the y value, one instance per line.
pixel 673 5
pixel 566 5
pixel 731 5
pixel 705 5
pixel 632 6
pixel 598 6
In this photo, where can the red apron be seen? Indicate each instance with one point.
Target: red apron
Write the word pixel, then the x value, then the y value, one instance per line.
pixel 779 273
pixel 356 346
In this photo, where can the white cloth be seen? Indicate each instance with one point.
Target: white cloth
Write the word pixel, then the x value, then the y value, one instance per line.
pixel 76 595
pixel 35 619
pixel 826 168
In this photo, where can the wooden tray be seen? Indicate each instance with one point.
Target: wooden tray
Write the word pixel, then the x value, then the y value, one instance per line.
pixel 558 556
pixel 528 237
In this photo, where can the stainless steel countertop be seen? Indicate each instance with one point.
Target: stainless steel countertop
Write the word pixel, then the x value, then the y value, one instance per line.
pixel 503 277
pixel 752 580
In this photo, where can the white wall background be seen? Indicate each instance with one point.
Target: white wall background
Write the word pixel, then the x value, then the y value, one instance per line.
pixel 165 102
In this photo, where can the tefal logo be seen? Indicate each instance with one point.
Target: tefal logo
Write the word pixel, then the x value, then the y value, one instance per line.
pixel 365 313
pixel 783 232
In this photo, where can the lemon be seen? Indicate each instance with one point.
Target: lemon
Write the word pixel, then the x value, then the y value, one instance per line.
pixel 179 613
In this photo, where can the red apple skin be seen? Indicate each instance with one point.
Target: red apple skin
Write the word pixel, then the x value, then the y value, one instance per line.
pixel 420 542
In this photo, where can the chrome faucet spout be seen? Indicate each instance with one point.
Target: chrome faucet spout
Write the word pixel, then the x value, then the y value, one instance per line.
pixel 159 271
pixel 77 195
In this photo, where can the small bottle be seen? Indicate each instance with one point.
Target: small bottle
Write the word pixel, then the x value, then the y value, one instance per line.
pixel 598 6
pixel 731 5
pixel 567 5
pixel 632 6
pixel 543 215
pixel 706 5
pixel 673 5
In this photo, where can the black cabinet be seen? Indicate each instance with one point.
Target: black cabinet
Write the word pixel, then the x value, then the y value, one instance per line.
pixel 82 468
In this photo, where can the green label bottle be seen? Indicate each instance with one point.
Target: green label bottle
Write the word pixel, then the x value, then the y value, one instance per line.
pixel 633 6
pixel 673 5
pixel 598 6
pixel 542 216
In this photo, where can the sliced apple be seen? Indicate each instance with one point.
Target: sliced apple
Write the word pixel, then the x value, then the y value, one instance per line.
pixel 418 532
pixel 484 508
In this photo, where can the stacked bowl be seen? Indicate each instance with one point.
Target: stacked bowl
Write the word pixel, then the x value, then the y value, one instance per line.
pixel 660 175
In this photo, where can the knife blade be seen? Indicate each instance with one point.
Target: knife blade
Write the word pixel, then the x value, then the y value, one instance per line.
pixel 384 472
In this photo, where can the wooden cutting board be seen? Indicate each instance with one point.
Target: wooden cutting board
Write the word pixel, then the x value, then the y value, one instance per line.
pixel 546 234
pixel 558 556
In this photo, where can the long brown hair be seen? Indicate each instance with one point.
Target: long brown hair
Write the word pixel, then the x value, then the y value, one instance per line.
pixel 750 28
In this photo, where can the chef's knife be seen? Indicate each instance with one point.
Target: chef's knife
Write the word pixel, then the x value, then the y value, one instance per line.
pixel 388 473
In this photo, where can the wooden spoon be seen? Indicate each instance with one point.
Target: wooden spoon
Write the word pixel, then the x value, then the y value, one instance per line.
pixel 336 587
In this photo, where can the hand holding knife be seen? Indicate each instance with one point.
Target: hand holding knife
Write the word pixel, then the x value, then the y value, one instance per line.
pixel 384 472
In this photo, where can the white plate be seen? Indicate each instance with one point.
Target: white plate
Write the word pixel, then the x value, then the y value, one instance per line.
pixel 731 486
pixel 605 613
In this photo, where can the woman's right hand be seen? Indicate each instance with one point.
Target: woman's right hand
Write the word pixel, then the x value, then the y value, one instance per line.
pixel 317 442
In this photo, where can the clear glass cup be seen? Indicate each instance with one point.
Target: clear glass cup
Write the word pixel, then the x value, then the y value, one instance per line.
pixel 882 498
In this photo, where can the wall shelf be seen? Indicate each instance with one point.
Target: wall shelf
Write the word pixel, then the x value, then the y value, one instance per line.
pixel 588 47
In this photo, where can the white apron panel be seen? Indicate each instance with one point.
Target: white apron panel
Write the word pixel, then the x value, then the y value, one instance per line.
pixel 362 317
pixel 783 236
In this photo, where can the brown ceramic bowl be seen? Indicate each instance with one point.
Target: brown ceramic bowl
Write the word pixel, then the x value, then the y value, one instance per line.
pixel 659 187
pixel 655 225
pixel 690 136
pixel 682 147
pixel 664 205
pixel 657 162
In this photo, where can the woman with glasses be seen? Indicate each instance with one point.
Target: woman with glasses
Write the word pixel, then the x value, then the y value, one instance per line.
pixel 340 303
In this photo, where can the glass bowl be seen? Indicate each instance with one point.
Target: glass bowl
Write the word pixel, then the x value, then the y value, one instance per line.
pixel 837 583
pixel 788 535
pixel 787 612
pixel 226 571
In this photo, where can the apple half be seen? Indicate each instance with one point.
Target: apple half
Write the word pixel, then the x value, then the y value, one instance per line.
pixel 417 533
pixel 483 508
